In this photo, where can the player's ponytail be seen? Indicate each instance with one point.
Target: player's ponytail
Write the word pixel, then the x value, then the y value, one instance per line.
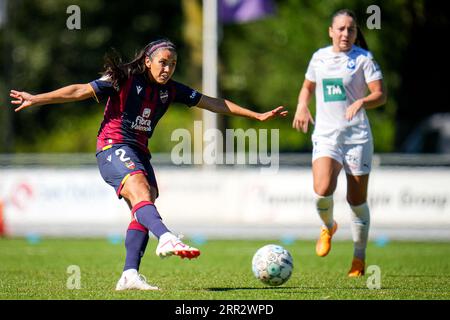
pixel 360 40
pixel 118 72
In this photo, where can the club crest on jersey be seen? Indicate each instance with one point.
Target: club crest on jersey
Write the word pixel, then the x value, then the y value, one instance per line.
pixel 351 64
pixel 146 112
pixel 130 164
pixel 163 95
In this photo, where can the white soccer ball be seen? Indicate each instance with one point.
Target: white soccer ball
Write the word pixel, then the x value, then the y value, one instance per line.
pixel 272 264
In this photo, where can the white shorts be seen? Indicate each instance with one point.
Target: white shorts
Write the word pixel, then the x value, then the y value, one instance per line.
pixel 355 158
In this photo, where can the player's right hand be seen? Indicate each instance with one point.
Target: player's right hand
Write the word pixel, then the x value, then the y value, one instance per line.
pixel 23 99
pixel 302 119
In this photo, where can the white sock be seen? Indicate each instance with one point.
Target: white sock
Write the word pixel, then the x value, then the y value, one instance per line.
pixel 129 272
pixel 324 206
pixel 360 223
pixel 166 236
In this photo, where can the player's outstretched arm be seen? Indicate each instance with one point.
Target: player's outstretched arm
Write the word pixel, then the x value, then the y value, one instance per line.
pixel 227 107
pixel 74 92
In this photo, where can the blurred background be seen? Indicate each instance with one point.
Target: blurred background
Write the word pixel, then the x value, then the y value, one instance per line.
pixel 49 181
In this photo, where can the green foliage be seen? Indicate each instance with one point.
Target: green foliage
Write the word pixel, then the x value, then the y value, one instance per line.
pixel 45 55
pixel 262 64
pixel 68 134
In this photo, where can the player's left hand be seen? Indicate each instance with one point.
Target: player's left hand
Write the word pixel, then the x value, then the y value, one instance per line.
pixel 353 109
pixel 277 112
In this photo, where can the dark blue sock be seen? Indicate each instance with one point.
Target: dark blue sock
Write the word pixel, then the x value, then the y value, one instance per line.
pixel 146 214
pixel 135 244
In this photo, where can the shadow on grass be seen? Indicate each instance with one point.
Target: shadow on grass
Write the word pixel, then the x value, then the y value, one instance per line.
pixel 250 288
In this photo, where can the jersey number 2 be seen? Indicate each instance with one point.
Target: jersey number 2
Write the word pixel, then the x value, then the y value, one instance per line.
pixel 121 154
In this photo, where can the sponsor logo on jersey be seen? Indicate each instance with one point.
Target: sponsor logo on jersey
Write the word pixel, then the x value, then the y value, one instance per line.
pixel 138 89
pixel 333 90
pixel 163 95
pixel 141 124
pixel 109 158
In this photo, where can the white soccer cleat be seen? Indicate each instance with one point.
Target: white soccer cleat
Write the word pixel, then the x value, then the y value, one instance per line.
pixel 133 281
pixel 170 245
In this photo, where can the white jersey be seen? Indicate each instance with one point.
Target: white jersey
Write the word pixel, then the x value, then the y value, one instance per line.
pixel 341 78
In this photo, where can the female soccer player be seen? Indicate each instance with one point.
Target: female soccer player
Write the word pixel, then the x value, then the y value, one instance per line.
pixel 340 75
pixel 138 94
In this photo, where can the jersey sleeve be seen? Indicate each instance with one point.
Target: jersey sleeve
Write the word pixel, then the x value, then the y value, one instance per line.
pixel 311 71
pixel 371 69
pixel 103 88
pixel 186 95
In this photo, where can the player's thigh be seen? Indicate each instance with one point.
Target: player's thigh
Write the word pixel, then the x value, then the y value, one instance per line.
pixel 137 188
pixel 357 189
pixel 151 178
pixel 325 174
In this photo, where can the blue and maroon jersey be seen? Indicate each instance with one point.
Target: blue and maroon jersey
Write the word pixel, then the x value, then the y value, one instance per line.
pixel 133 110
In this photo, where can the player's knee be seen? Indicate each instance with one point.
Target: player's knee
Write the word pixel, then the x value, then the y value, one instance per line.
pixel 323 190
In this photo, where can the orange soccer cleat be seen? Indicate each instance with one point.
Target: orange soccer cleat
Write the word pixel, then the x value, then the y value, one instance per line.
pixel 357 269
pixel 323 245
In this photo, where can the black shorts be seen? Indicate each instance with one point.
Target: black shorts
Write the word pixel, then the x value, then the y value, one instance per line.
pixel 120 161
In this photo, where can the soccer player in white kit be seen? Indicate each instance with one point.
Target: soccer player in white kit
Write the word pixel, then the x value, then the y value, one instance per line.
pixel 339 75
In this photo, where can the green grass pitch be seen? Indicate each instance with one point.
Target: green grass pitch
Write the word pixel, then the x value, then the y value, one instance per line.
pixel 409 270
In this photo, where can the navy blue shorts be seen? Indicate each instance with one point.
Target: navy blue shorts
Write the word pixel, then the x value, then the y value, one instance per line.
pixel 120 161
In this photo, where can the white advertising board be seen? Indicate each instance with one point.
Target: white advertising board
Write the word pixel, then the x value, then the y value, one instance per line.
pixel 237 202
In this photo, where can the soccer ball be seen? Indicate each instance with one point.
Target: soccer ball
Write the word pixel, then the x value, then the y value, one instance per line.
pixel 272 264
